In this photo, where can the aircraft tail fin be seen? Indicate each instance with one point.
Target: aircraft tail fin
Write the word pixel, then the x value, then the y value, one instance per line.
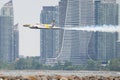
pixel 53 23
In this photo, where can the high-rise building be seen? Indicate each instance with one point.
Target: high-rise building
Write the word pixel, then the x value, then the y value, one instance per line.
pixel 62 15
pixel 108 1
pixel 16 41
pixel 49 39
pixel 7 33
pixel 106 13
pixel 62 12
pixel 79 13
pixel 106 43
pixel 118 48
pixel 118 2
pixel 79 46
pixel 118 43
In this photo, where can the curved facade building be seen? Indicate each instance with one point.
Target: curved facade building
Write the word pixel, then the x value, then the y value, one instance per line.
pixel 80 46
pixel 75 44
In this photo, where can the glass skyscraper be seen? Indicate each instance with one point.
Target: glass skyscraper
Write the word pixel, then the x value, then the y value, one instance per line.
pixel 80 46
pixel 7 33
pixel 106 13
pixel 49 39
pixel 118 2
pixel 79 13
pixel 118 43
pixel 16 41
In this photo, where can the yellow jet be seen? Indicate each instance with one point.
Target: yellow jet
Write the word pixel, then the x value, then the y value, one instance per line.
pixel 42 26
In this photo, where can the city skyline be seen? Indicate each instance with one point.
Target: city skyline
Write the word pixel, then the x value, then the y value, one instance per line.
pixel 75 46
pixel 80 46
pixel 29 39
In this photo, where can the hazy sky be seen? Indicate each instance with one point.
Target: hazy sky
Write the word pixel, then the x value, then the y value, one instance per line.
pixel 28 11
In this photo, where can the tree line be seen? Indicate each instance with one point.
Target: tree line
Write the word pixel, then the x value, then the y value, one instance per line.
pixel 32 64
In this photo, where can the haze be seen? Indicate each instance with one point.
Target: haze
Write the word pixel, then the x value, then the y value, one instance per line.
pixel 28 11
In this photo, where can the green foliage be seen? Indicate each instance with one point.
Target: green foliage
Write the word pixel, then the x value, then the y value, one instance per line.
pixel 28 63
pixel 21 64
pixel 91 65
pixel 32 63
pixel 58 66
pixel 115 64
pixel 67 66
pixel 6 66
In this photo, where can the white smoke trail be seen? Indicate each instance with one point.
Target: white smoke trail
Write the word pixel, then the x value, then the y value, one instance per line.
pixel 104 28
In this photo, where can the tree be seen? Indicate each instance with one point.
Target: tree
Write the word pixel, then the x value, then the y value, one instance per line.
pixel 91 65
pixel 20 64
pixel 36 65
pixel 68 65
pixel 58 66
pixel 115 64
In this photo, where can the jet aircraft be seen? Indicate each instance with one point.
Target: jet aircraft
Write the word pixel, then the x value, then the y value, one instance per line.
pixel 42 26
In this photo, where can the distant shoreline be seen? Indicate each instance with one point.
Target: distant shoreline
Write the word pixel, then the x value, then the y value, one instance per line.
pixel 58 72
pixel 58 75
